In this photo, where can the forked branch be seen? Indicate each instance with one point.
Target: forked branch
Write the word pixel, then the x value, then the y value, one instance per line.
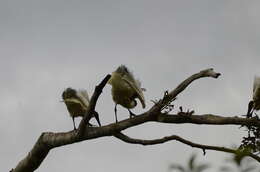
pixel 128 139
pixel 49 140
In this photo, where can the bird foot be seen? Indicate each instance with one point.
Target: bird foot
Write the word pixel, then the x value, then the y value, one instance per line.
pixel 92 125
pixel 256 115
pixel 131 114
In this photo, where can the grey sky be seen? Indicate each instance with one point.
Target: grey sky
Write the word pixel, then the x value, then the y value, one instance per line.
pixel 46 46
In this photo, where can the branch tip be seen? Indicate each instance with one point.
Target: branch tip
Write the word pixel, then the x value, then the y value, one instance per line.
pixel 92 105
pixel 211 73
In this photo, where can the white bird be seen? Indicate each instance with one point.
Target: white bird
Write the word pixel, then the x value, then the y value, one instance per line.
pixel 125 89
pixel 255 103
pixel 77 102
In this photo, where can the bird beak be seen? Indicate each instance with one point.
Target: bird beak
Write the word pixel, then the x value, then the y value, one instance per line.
pixel 96 115
pixel 61 101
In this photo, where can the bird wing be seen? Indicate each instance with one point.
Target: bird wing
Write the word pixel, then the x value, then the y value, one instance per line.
pixel 256 88
pixel 136 86
pixel 83 96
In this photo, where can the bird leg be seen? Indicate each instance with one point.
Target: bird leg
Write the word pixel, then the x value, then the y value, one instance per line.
pixel 116 112
pixel 250 109
pixel 256 115
pixel 74 122
pixel 131 114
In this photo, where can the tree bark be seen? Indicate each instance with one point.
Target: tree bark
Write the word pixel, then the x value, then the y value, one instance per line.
pixel 50 140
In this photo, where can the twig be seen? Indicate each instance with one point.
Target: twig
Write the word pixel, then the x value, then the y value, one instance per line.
pixel 91 107
pixel 128 139
pixel 173 94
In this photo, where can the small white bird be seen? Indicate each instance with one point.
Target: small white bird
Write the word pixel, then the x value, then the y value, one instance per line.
pixel 125 89
pixel 255 103
pixel 77 102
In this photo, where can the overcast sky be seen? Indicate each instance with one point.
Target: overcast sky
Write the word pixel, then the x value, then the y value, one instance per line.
pixel 49 45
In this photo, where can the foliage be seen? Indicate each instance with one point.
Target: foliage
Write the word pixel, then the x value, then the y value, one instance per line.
pixel 238 163
pixel 244 165
pixel 192 166
pixel 252 140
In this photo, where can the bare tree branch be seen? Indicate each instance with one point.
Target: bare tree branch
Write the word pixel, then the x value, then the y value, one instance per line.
pixel 49 140
pixel 208 119
pixel 173 94
pixel 128 139
pixel 92 105
pixel 46 142
pixel 202 74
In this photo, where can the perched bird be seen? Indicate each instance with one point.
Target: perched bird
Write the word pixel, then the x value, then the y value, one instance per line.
pixel 255 103
pixel 77 102
pixel 125 89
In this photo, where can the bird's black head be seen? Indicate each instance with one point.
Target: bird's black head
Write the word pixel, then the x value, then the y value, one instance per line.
pixel 69 93
pixel 122 69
